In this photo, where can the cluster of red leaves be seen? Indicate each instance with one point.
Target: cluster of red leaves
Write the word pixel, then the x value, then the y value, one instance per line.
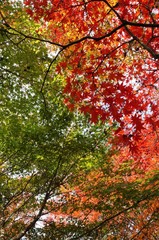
pixel 146 157
pixel 110 57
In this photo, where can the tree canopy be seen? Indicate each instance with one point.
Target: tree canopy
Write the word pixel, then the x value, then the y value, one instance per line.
pixel 109 53
pixel 79 119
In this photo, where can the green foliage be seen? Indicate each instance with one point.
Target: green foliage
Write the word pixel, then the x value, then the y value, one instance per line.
pixel 43 145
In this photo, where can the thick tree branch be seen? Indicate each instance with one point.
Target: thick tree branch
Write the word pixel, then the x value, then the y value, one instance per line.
pixel 137 24
pixel 127 23
pixel 146 47
pixel 32 224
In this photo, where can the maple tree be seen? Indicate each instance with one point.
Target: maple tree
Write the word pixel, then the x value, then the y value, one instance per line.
pixel 63 176
pixel 109 52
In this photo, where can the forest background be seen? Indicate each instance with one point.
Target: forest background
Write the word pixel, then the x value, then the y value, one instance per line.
pixel 79 119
